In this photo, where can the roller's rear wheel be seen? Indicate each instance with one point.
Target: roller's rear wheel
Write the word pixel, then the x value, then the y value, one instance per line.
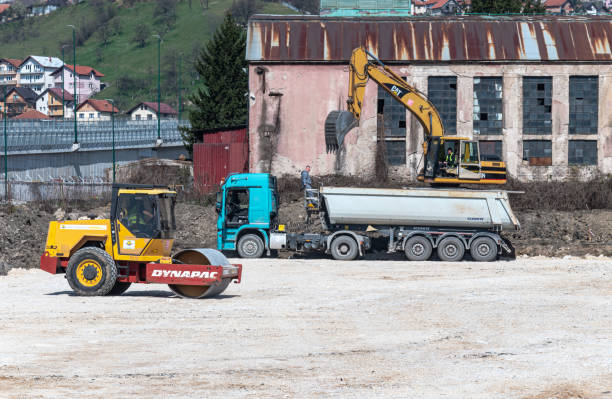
pixel 201 256
pixel 91 272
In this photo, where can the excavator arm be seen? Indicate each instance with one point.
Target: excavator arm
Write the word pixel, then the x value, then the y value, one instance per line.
pixel 363 66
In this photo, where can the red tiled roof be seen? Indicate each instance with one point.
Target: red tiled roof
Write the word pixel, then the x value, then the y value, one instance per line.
pixel 12 61
pixel 4 7
pixel 555 3
pixel 100 106
pixel 57 92
pixel 82 70
pixel 32 114
pixel 165 108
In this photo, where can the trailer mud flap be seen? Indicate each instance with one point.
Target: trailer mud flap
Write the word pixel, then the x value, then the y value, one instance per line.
pixel 508 249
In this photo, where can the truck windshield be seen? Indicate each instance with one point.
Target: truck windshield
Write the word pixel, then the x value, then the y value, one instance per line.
pixel 167 221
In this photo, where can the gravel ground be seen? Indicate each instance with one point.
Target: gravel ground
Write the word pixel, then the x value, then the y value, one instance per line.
pixel 317 328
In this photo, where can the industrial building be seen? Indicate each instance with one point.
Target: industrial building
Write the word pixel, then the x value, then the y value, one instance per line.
pixel 534 90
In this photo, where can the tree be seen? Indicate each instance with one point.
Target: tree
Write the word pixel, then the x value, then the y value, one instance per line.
pixel 141 35
pixel 165 13
pixel 241 10
pixel 221 68
pixel 507 7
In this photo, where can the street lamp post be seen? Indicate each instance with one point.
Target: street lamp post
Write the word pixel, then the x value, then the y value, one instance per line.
pixel 75 145
pixel 63 78
pixel 159 140
pixel 113 129
pixel 5 145
pixel 180 62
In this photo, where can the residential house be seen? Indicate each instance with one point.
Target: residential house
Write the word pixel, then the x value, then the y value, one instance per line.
pixel 4 11
pixel 95 110
pixel 87 80
pixel 443 7
pixel 148 111
pixel 50 103
pixel 9 72
pixel 32 114
pixel 19 100
pixel 35 72
pixel 419 7
pixel 558 6
pixel 45 7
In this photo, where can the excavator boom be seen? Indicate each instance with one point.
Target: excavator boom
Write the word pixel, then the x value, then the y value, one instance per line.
pixel 365 65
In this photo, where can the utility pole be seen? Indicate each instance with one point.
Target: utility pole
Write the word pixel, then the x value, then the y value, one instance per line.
pixel 63 78
pixel 75 145
pixel 158 143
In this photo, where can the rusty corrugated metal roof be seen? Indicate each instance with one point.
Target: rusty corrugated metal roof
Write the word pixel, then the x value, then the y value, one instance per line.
pixel 431 39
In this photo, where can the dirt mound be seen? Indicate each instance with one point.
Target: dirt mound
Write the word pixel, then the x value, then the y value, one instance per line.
pixel 545 230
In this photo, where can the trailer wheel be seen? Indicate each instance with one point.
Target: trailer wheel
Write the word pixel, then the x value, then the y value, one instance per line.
pixel 250 246
pixel 91 272
pixel 344 248
pixel 418 248
pixel 451 249
pixel 483 249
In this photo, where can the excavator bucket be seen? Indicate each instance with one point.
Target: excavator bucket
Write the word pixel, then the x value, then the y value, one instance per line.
pixel 337 125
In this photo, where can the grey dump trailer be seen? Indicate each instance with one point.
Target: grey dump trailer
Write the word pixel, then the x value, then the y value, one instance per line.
pixel 451 222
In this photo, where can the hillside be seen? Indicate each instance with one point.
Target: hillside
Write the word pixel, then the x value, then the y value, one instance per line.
pixel 131 70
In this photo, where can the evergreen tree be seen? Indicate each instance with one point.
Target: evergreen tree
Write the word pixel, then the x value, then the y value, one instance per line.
pixel 221 65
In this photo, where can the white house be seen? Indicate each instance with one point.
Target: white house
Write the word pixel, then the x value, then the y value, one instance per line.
pixel 50 103
pixel 95 110
pixel 148 111
pixel 35 72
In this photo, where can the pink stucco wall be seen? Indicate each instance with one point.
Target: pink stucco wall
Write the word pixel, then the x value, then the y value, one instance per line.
pixel 87 85
pixel 287 131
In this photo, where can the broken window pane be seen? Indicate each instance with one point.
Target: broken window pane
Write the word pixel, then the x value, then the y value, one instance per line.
pixel 488 105
pixel 537 104
pixel 442 92
pixel 582 152
pixel 394 120
pixel 537 152
pixel 583 104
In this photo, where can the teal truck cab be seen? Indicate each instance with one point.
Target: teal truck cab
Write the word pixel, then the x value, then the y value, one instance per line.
pixel 247 208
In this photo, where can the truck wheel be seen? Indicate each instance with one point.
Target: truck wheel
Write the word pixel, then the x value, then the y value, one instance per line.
pixel 250 246
pixel 451 249
pixel 483 249
pixel 418 248
pixel 344 248
pixel 91 272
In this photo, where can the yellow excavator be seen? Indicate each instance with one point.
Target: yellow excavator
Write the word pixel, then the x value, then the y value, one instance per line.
pixel 462 167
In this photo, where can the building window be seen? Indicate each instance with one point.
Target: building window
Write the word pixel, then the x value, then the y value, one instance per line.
pixel 137 117
pixel 91 115
pixel 150 117
pixel 584 98
pixel 491 150
pixel 81 116
pixel 537 105
pixel 537 152
pixel 582 152
pixel 488 105
pixel 394 121
pixel 442 92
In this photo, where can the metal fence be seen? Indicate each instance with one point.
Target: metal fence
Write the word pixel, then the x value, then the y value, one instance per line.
pixel 41 161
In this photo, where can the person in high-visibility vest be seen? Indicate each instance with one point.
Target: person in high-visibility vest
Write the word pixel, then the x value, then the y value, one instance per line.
pixel 138 217
pixel 450 158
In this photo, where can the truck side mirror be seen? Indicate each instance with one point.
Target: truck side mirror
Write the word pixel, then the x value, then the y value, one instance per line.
pixel 218 203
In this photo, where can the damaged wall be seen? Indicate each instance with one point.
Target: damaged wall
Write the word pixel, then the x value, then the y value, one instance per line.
pixel 286 118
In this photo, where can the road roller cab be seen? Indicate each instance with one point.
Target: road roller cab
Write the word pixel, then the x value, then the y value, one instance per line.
pixel 134 245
